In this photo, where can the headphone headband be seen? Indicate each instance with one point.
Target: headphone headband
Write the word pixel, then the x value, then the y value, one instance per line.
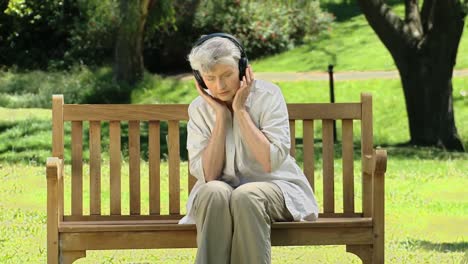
pixel 221 35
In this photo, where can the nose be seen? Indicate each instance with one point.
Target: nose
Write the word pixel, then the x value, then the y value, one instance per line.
pixel 221 85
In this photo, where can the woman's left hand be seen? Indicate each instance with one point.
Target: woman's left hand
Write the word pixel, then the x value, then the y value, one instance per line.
pixel 244 90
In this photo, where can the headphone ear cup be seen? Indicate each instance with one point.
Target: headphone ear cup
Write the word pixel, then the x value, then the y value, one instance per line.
pixel 243 62
pixel 199 79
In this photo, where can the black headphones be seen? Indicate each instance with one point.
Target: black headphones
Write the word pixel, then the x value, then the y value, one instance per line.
pixel 243 61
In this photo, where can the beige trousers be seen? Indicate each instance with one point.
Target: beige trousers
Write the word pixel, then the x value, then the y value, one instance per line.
pixel 233 225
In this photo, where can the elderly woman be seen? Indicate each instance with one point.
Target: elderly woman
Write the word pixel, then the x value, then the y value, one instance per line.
pixel 238 144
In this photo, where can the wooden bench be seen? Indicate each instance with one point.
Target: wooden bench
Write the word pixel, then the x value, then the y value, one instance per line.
pixel 69 236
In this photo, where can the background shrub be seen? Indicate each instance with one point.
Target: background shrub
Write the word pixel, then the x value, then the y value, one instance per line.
pixel 80 84
pixel 265 27
pixel 57 34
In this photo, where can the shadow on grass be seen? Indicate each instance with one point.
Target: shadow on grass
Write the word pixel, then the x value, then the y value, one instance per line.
pixel 343 11
pixel 440 247
pixel 394 151
pixel 406 150
pixel 346 9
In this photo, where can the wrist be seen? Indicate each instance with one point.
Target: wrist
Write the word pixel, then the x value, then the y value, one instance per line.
pixel 241 114
pixel 222 114
pixel 240 110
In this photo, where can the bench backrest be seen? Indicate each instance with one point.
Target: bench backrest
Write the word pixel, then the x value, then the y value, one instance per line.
pixel 308 114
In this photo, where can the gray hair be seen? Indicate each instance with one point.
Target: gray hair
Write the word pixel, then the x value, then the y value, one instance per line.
pixel 217 50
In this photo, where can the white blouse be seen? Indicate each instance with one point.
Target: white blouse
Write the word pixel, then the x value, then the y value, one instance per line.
pixel 268 111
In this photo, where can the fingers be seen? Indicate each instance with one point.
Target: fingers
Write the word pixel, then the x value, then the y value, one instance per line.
pixel 251 74
pixel 206 96
pixel 248 78
pixel 247 74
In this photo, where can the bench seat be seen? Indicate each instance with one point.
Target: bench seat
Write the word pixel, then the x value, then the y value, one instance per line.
pixel 146 234
pixel 154 225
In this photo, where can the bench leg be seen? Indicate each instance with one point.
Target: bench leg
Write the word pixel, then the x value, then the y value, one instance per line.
pixel 68 257
pixel 52 253
pixel 379 250
pixel 364 252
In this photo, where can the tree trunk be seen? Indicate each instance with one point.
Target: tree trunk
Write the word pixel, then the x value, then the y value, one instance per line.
pixel 128 66
pixel 428 97
pixel 424 47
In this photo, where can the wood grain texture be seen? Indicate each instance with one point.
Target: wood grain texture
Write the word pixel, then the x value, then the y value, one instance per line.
pixel 174 168
pixel 57 126
pixel 77 168
pixel 154 168
pixel 134 166
pixel 115 165
pixel 292 134
pixel 366 150
pixel 308 152
pixel 328 168
pixel 348 166
pixel 125 112
pixel 95 167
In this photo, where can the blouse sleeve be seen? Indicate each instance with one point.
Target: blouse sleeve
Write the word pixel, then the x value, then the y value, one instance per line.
pixel 198 135
pixel 275 126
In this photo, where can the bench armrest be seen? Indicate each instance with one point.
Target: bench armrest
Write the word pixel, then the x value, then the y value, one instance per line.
pixel 54 168
pixel 54 171
pixel 54 177
pixel 375 163
pixel 380 162
pixel 378 189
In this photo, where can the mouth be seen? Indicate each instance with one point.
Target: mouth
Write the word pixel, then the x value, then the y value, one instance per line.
pixel 224 93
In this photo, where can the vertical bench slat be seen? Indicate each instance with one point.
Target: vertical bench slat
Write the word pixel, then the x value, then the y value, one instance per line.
pixel 77 168
pixel 154 167
pixel 328 170
pixel 292 129
pixel 95 167
pixel 134 166
pixel 61 197
pixel 115 168
pixel 308 126
pixel 57 126
pixel 366 149
pixel 55 198
pixel 57 144
pixel 191 179
pixel 348 166
pixel 174 170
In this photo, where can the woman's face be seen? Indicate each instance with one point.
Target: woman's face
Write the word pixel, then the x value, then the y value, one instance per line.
pixel 222 81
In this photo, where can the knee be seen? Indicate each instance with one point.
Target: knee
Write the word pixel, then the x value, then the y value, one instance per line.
pixel 214 193
pixel 245 198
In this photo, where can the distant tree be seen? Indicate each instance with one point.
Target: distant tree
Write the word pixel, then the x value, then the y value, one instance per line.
pixel 134 16
pixel 424 47
pixel 34 34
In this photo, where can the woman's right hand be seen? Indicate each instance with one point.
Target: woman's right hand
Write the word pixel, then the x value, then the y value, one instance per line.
pixel 218 106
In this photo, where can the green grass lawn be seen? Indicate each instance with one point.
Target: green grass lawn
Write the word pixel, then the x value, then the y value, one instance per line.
pixel 426 214
pixel 350 45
